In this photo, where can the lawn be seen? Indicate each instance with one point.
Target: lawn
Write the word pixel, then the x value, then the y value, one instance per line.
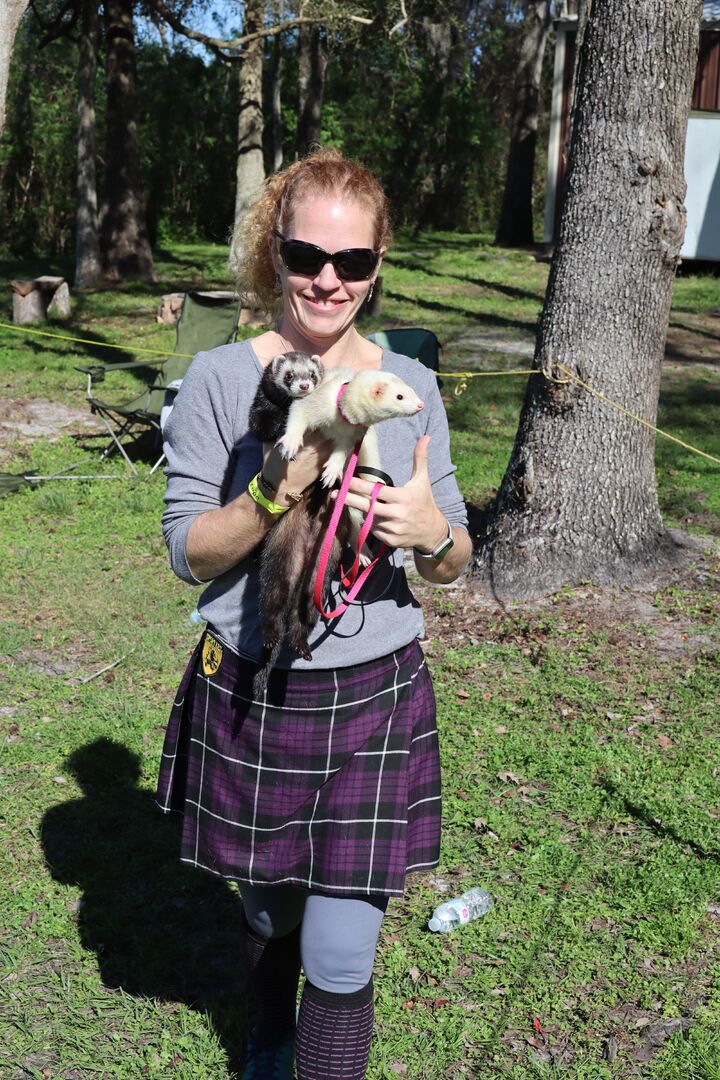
pixel 580 742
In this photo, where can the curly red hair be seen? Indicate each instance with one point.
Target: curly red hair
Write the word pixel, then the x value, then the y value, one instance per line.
pixel 323 172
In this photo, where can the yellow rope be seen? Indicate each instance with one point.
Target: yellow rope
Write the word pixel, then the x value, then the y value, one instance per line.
pixel 87 341
pixel 459 389
pixel 634 416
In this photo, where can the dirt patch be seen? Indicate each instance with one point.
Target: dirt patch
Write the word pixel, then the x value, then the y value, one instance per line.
pixel 27 419
pixel 671 617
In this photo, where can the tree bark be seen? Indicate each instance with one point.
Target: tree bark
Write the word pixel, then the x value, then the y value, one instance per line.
pixel 11 12
pixel 312 62
pixel 579 498
pixel 515 225
pixel 277 124
pixel 250 173
pixel 88 263
pixel 124 237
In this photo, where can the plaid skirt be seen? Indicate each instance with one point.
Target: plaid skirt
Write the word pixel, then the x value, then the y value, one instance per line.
pixel 331 783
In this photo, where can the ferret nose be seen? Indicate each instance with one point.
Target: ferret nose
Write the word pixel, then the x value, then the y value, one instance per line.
pixel 304 386
pixel 420 405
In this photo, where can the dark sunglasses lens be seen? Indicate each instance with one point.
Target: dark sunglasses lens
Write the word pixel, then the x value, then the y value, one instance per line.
pixel 355 264
pixel 301 258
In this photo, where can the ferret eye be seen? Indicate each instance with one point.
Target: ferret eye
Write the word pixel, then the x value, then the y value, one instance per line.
pixel 288 378
pixel 399 397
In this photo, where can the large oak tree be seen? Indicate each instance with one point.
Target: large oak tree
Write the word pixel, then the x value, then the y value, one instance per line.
pixel 579 497
pixel 11 12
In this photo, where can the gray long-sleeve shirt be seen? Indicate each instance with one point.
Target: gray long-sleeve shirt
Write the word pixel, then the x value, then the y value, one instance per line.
pixel 211 458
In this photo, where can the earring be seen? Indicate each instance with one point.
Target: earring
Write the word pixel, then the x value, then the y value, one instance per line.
pixel 277 287
pixel 370 292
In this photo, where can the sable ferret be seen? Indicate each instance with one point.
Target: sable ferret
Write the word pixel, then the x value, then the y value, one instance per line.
pixel 288 376
pixel 291 549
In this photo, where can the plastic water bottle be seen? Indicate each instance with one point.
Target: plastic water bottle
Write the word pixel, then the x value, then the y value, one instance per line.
pixel 196 618
pixel 463 909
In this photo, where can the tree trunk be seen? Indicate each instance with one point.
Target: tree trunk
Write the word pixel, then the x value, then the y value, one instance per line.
pixel 277 124
pixel 88 264
pixel 250 173
pixel 312 62
pixel 124 238
pixel 516 220
pixel 579 498
pixel 11 12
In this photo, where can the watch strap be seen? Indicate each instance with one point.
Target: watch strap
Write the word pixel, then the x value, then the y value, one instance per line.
pixel 440 550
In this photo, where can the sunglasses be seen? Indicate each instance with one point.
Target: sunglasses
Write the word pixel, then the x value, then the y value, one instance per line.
pixel 351 264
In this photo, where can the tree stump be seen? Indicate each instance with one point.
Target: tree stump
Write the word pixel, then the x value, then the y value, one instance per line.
pixel 34 301
pixel 254 317
pixel 170 308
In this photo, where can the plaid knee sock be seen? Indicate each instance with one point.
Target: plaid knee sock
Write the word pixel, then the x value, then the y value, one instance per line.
pixel 274 971
pixel 334 1033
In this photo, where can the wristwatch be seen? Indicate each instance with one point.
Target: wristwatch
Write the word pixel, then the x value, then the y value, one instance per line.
pixel 441 550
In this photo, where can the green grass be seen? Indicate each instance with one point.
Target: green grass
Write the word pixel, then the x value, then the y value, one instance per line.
pixel 580 745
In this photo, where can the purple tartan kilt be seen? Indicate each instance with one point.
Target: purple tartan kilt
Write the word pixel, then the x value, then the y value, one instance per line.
pixel 332 783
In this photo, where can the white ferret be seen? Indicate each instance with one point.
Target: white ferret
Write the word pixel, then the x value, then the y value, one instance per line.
pixel 370 396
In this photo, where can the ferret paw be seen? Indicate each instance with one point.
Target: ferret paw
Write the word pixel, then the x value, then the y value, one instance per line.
pixel 288 448
pixel 331 474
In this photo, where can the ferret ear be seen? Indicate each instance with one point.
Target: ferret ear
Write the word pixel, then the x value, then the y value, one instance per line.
pixel 280 356
pixel 377 391
pixel 316 358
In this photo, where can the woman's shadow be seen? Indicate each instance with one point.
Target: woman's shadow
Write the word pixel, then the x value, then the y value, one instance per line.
pixel 158 928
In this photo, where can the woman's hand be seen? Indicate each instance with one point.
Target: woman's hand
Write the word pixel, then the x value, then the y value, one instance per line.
pixel 409 517
pixel 406 516
pixel 299 473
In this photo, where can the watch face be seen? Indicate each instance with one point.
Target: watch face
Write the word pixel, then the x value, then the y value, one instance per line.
pixel 443 549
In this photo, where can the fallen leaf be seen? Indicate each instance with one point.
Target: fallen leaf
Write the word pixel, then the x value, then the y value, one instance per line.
pixel 501 729
pixel 462 694
pixel 399 1067
pixel 509 777
pixel 32 918
pixel 414 973
pixel 663 740
pixel 537 1025
pixel 59 780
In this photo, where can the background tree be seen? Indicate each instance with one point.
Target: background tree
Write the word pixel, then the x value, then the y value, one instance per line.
pixel 579 497
pixel 515 225
pixel 11 12
pixel 312 63
pixel 250 172
pixel 124 236
pixel 88 261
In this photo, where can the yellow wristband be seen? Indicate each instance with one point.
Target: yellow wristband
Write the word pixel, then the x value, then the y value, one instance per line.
pixel 255 493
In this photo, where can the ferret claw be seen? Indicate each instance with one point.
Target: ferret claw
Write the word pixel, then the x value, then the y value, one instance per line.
pixel 288 449
pixel 330 476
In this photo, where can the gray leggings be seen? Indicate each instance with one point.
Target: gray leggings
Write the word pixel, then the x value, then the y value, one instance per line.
pixel 338 937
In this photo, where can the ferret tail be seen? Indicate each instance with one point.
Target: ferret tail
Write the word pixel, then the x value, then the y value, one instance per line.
pixel 261 676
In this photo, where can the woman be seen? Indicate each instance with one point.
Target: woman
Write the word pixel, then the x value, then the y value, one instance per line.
pixel 319 798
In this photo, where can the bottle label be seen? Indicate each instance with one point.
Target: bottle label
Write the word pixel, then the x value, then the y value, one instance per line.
pixel 460 910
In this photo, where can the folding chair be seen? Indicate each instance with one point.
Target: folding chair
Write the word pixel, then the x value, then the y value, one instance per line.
pixel 206 321
pixel 414 342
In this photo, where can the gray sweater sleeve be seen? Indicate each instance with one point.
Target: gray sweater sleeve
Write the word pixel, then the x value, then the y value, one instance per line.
pixel 199 441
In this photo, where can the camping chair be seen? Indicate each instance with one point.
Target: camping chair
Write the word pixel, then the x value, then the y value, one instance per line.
pixel 206 321
pixel 414 342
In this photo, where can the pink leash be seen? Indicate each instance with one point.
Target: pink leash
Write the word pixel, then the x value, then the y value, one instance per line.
pixel 352 580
